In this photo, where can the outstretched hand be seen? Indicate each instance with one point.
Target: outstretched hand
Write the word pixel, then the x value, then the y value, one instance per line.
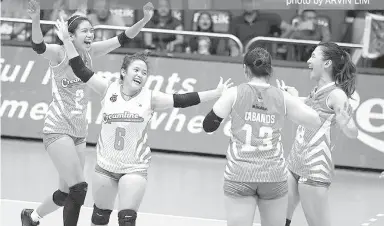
pixel 148 11
pixel 34 9
pixel 221 87
pixel 62 29
pixel 289 89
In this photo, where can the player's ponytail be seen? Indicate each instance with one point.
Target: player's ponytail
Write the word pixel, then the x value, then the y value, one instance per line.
pixel 343 69
pixel 259 61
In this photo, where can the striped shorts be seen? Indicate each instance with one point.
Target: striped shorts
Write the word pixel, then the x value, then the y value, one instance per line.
pixel 303 180
pixel 49 138
pixel 117 176
pixel 262 190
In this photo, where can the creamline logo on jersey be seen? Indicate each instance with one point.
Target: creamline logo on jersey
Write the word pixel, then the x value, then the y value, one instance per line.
pixel 66 83
pixel 126 116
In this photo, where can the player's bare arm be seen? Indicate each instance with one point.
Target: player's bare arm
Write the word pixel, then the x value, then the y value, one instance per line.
pixel 162 101
pixel 221 109
pixel 97 83
pixel 51 52
pixel 102 48
pixel 300 113
pixel 338 101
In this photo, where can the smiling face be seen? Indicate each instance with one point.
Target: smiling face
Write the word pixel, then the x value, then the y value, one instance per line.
pixel 317 64
pixel 135 75
pixel 83 36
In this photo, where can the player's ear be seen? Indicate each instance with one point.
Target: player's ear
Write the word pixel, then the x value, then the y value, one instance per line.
pixel 123 73
pixel 71 36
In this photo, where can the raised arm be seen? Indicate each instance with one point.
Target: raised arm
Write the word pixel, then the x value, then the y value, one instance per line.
pixel 300 113
pixel 51 52
pixel 161 101
pixel 104 47
pixel 338 101
pixel 97 83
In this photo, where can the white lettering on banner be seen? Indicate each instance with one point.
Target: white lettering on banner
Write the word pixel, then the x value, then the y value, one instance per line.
pixel 364 115
pixel 195 125
pixel 38 111
pixel 14 105
pixel 47 77
pixel 5 71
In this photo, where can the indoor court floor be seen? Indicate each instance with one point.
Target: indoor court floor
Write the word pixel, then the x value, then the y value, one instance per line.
pixel 182 190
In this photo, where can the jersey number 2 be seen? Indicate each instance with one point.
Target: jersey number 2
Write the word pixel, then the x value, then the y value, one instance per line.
pixel 265 133
pixel 119 138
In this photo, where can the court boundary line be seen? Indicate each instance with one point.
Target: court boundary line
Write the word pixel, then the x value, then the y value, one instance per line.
pixel 141 213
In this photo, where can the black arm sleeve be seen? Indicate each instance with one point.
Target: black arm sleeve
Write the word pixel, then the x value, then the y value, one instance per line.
pixel 123 38
pixel 39 48
pixel 211 122
pixel 185 100
pixel 79 68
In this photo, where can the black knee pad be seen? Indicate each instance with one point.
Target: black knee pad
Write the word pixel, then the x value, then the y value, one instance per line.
pixel 59 197
pixel 78 192
pixel 100 216
pixel 127 217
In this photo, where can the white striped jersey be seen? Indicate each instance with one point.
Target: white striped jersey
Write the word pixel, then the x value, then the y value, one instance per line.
pixel 122 145
pixel 67 112
pixel 255 152
pixel 311 154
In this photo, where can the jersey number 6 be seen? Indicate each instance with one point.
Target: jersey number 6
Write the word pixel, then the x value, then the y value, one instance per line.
pixel 119 138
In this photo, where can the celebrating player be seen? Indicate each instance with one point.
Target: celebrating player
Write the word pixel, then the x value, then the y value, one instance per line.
pixel 65 125
pixel 123 156
pixel 310 160
pixel 256 172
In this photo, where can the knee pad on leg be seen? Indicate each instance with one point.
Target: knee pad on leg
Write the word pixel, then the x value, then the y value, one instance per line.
pixel 59 197
pixel 100 216
pixel 127 217
pixel 78 192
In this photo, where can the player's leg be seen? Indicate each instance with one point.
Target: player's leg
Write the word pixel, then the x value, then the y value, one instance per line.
pixel 293 196
pixel 314 200
pixel 273 201
pixel 240 203
pixel 58 198
pixel 64 155
pixel 104 191
pixel 131 193
pixel 53 202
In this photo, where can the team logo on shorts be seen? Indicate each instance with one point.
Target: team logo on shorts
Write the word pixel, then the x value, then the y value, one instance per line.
pixel 113 98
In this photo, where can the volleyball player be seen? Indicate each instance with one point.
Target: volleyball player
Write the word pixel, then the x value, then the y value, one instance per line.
pixel 65 125
pixel 123 156
pixel 310 161
pixel 256 173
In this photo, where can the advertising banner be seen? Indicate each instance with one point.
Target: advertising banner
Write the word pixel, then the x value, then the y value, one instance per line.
pixel 26 94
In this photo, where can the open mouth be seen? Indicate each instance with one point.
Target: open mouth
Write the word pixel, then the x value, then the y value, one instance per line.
pixel 137 81
pixel 88 43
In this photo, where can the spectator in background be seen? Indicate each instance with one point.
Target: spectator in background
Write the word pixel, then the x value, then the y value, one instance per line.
pixel 306 27
pixel 205 45
pixel 254 23
pixel 14 9
pixel 163 19
pixel 102 15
